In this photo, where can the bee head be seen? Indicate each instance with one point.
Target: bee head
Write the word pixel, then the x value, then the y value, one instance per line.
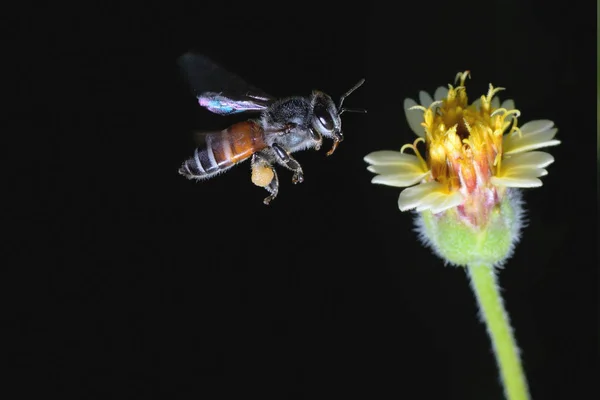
pixel 326 115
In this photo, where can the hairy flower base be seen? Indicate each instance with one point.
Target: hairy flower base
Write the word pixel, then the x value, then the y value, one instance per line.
pixel 460 243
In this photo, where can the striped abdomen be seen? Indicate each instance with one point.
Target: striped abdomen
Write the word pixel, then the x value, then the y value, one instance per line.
pixel 224 149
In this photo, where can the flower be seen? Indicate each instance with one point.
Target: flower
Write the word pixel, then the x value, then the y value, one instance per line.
pixel 465 187
pixel 473 153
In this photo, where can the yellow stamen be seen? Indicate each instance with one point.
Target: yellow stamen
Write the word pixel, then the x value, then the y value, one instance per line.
pixel 413 146
pixel 505 112
pixel 464 143
pixel 463 77
pixel 418 107
pixel 492 92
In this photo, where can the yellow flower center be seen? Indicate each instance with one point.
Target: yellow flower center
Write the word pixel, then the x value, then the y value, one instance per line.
pixel 464 143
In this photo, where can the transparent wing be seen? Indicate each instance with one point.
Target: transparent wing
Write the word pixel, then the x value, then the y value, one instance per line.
pixel 218 90
pixel 225 104
pixel 200 138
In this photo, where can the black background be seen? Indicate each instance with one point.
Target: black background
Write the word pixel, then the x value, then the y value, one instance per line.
pixel 125 280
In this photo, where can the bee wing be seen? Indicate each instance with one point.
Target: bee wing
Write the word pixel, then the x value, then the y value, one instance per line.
pixel 199 138
pixel 218 90
pixel 222 104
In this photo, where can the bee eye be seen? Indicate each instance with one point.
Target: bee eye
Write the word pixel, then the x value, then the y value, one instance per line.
pixel 324 117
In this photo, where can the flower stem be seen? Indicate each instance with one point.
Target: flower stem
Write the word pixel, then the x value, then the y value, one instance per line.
pixel 485 286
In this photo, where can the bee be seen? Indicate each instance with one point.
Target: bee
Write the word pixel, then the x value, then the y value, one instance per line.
pixel 282 127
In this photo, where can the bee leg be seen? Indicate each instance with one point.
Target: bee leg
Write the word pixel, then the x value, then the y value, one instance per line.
pixel 289 162
pixel 264 175
pixel 272 188
pixel 316 136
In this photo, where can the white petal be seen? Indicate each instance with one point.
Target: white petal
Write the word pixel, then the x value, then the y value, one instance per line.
pixel 414 117
pixel 413 196
pixel 415 168
pixel 390 157
pixel 425 99
pixel 513 144
pixel 536 126
pixel 520 177
pixel 396 169
pixel 536 159
pixel 516 182
pixel 399 180
pixel 495 102
pixel 440 93
pixel 442 204
pixel 524 172
pixel 429 200
pixel 508 104
pixel 477 104
pixel 385 169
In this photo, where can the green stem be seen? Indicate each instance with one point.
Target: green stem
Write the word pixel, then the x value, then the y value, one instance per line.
pixel 485 286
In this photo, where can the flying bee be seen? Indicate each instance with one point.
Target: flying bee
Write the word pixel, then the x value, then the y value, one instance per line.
pixel 284 126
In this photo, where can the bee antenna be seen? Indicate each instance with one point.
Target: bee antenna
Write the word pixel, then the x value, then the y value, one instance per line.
pixel 343 97
pixel 353 110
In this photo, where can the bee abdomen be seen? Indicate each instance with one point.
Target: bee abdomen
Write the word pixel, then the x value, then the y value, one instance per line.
pixel 200 166
pixel 224 149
